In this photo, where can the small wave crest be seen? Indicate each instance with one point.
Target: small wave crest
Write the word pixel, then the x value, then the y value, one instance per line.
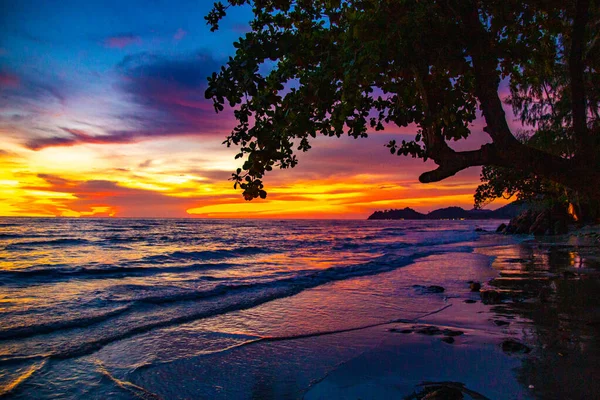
pixel 53 242
pixel 134 389
pixel 104 271
pixel 19 332
pixel 346 246
pixel 13 236
pixel 124 239
pixel 393 230
pixel 181 255
pixel 10 387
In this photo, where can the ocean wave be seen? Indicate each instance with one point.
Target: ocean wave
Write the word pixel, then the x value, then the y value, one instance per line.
pixel 394 229
pixel 52 242
pixel 371 237
pixel 108 271
pixel 183 306
pixel 398 246
pixel 346 246
pixel 143 227
pixel 20 332
pixel 28 235
pixel 12 236
pixel 449 238
pixel 10 387
pixel 129 387
pixel 80 349
pixel 124 239
pixel 302 281
pixel 180 255
pixel 144 305
pixel 234 298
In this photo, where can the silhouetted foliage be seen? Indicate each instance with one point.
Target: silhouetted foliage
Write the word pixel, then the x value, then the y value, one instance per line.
pixel 503 182
pixel 342 67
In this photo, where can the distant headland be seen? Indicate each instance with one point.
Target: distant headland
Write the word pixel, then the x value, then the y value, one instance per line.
pixel 506 212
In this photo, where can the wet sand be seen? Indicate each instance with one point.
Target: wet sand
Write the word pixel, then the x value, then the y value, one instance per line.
pixel 548 301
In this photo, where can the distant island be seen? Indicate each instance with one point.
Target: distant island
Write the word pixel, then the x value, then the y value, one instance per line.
pixel 506 212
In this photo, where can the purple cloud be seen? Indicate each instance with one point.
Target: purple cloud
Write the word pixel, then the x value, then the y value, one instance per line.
pixel 168 99
pixel 122 41
pixel 8 80
pixel 77 136
pixel 180 34
pixel 170 92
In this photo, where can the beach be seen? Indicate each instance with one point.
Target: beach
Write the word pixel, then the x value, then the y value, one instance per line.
pixel 323 310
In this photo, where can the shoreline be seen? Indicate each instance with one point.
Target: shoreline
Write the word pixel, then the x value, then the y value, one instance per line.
pixel 332 357
pixel 552 356
pixel 415 330
pixel 498 350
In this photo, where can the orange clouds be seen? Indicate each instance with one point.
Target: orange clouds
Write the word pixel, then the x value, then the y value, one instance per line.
pixel 53 195
pixel 188 177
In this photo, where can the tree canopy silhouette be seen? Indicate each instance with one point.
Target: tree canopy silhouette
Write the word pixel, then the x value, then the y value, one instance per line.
pixel 339 67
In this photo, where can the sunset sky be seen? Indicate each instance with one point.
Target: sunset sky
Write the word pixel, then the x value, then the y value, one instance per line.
pixel 102 113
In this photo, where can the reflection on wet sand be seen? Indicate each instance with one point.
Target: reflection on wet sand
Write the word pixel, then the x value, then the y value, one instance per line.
pixel 553 290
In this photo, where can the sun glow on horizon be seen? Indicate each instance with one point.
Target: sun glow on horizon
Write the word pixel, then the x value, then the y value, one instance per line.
pixel 81 181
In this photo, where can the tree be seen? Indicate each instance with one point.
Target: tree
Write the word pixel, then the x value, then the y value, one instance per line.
pixel 508 182
pixel 337 67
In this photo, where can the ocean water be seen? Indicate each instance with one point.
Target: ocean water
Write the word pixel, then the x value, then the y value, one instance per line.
pixel 88 305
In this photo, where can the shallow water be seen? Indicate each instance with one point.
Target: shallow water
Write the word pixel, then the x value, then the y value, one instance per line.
pixel 87 307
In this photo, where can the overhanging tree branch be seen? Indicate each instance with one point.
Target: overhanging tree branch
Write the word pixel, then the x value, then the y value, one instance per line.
pixel 505 151
pixel 451 162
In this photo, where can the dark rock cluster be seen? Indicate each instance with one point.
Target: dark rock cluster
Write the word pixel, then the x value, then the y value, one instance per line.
pixel 429 330
pixel 512 347
pixel 444 391
pixel 428 289
pixel 554 221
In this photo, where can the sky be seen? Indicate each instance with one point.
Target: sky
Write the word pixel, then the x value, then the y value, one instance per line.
pixel 102 113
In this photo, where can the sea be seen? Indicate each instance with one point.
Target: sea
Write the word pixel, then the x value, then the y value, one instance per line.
pixel 119 308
